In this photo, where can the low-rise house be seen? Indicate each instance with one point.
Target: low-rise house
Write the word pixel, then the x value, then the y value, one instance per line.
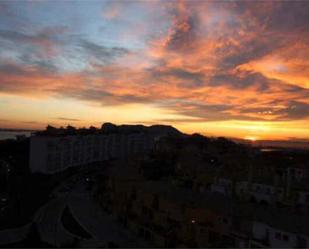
pixel 297 173
pixel 179 216
pixel 262 193
pixel 222 185
pixel 170 216
pixel 277 237
pixel 302 202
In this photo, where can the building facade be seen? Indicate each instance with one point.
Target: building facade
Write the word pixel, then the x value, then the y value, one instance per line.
pixel 51 154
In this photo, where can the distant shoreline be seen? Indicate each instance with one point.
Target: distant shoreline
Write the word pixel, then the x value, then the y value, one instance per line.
pixel 16 130
pixel 271 144
pixel 276 144
pixel 9 134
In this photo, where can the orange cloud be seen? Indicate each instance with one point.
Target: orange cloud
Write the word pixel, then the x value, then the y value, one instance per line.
pixel 288 64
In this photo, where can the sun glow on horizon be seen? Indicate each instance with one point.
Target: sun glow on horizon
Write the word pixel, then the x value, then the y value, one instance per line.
pixel 251 138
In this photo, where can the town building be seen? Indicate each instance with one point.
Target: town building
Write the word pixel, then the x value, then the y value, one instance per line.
pixel 55 150
pixel 50 154
pixel 170 216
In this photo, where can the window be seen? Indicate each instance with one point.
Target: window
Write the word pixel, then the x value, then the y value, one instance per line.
pixel 278 235
pixel 285 237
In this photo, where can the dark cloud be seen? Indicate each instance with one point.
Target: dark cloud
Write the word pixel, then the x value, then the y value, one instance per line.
pixel 256 80
pixel 102 54
pixel 104 97
pixel 48 34
pixel 32 59
pixel 31 122
pixel 279 16
pixel 187 78
pixel 46 47
pixel 69 119
pixel 200 110
pixel 17 36
pixel 170 120
pixel 34 49
pixel 3 7
pixel 277 25
pixel 297 93
pixel 295 110
pixel 90 94
pixel 19 78
pixel 289 15
pixel 211 112
pixel 12 69
pixel 183 34
pixel 180 120
pixel 248 51
pixel 184 74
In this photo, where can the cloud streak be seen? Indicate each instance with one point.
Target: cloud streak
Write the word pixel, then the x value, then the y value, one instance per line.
pixel 68 119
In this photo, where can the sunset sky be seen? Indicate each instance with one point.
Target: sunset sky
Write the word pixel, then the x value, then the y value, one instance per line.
pixel 220 68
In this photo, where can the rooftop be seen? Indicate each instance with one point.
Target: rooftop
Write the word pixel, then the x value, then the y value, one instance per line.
pixel 109 128
pixel 277 218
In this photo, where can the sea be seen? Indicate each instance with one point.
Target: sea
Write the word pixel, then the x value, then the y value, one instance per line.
pixel 12 134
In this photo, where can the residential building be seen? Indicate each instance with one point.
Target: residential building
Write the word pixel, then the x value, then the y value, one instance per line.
pixel 50 154
pixel 278 236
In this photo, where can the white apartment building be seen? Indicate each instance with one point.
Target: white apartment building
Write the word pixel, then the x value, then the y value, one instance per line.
pixel 260 192
pixel 277 237
pixel 297 173
pixel 223 186
pixel 50 154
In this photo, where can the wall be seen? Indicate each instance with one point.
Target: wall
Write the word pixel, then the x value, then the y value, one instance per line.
pixel 53 154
